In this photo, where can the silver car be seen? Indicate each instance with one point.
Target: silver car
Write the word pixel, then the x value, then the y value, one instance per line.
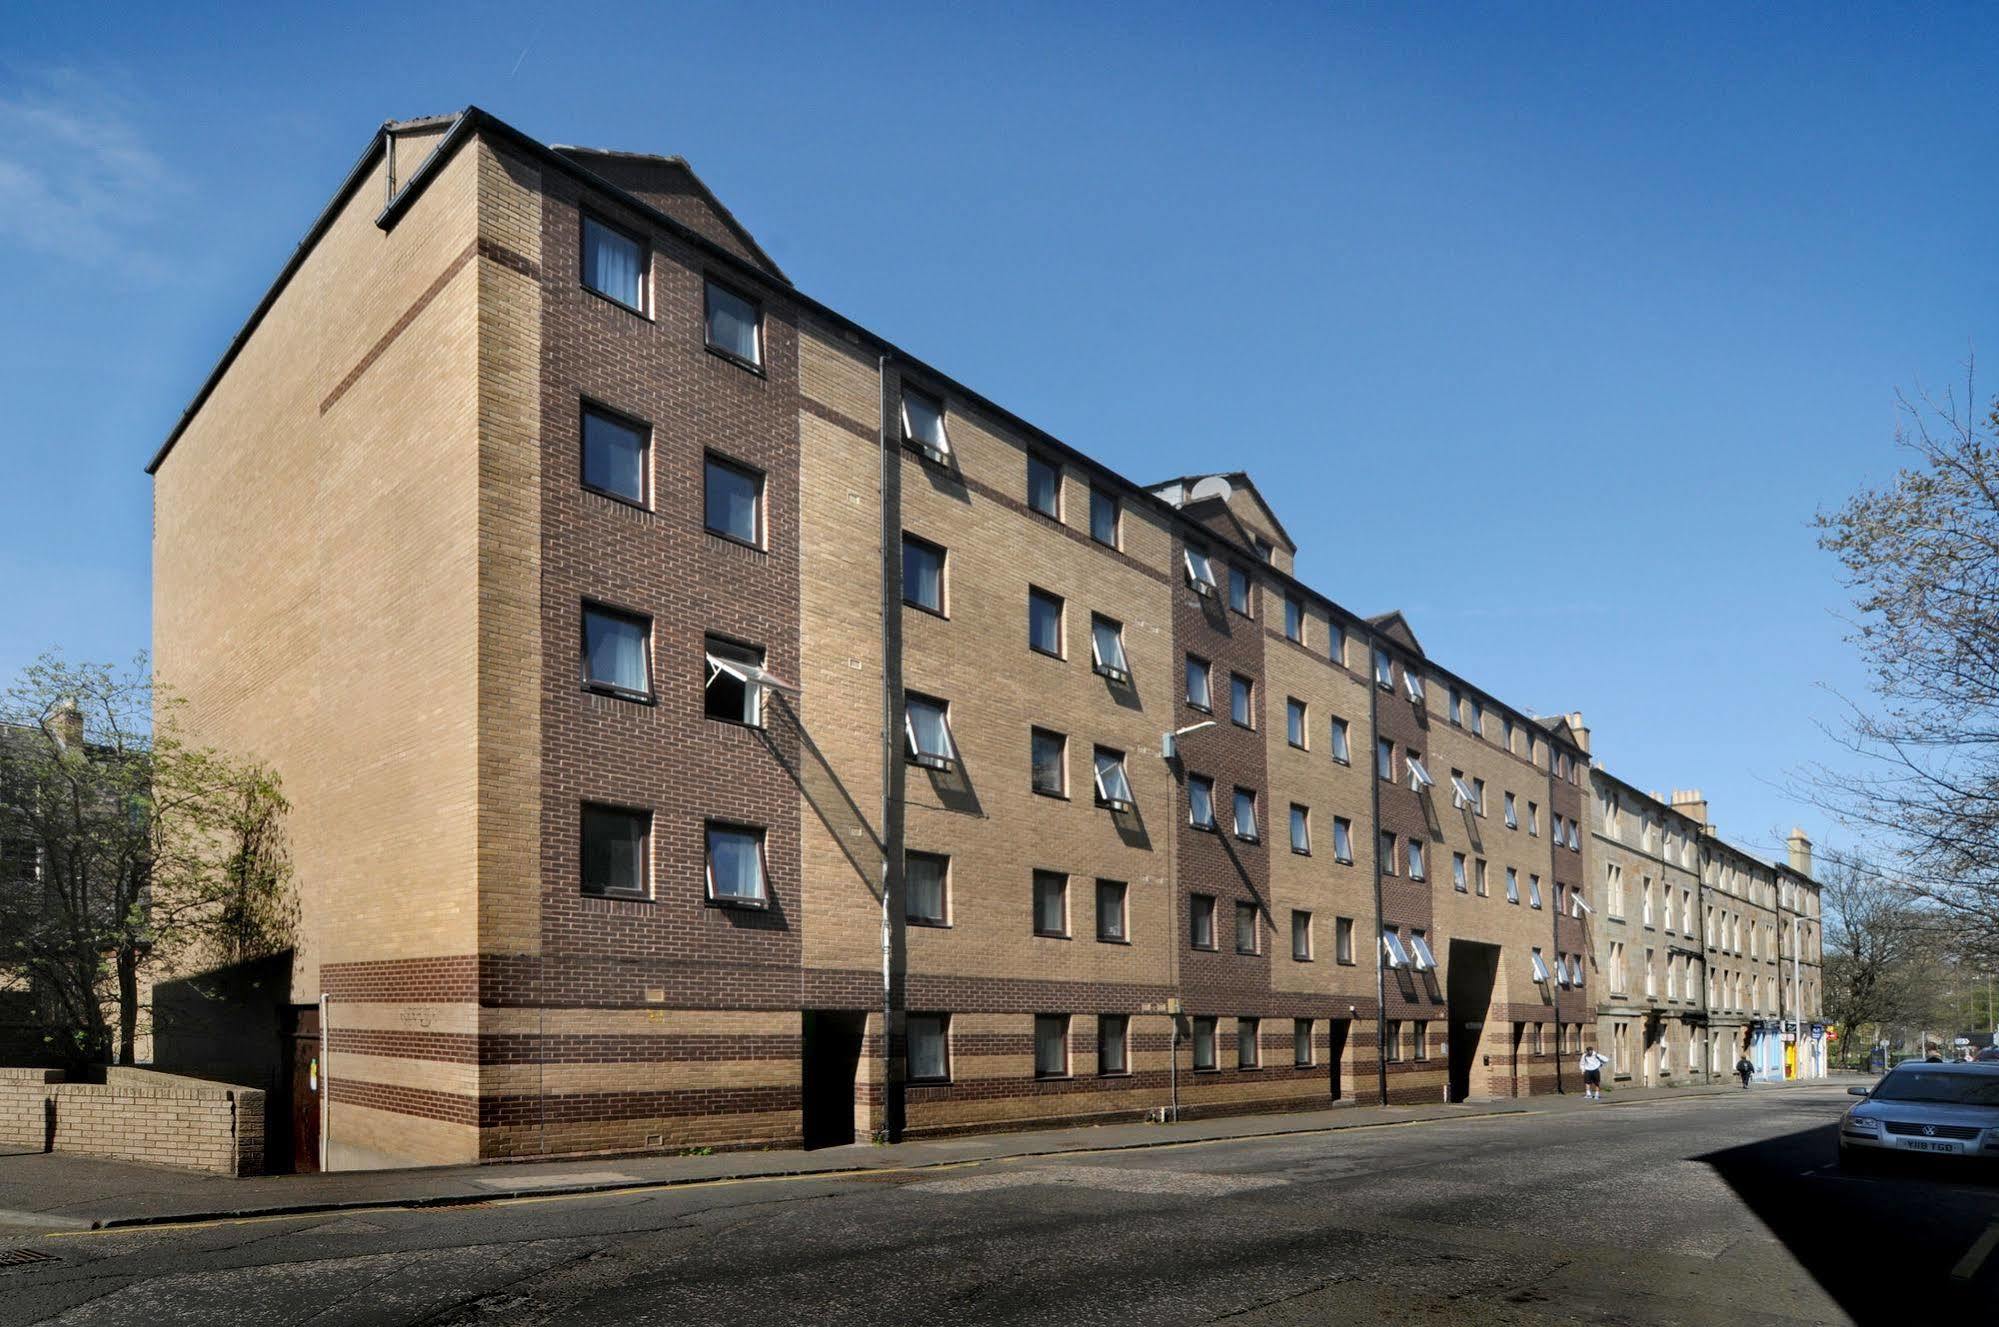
pixel 1935 1109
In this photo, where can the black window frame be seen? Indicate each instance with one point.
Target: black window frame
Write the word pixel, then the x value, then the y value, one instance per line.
pixel 591 218
pixel 1041 875
pixel 943 920
pixel 1343 941
pixel 710 283
pixel 1122 1041
pixel 1311 949
pixel 587 808
pixel 1034 733
pixel 762 835
pixel 647 697
pixel 1199 904
pixel 588 406
pixel 943 1035
pixel 1123 888
pixel 1248 582
pixel 1098 491
pixel 708 642
pixel 722 461
pixel 1061 650
pixel 1035 458
pixel 943 608
pixel 1068 1054
pixel 1254 915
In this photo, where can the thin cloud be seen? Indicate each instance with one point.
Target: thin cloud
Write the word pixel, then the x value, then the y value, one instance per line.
pixel 77 177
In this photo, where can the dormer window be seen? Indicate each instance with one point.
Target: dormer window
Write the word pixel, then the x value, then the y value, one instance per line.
pixel 1200 570
pixel 1107 649
pixel 1261 547
pixel 923 425
pixel 926 727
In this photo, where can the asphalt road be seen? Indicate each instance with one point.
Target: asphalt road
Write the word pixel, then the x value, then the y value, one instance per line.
pixel 1710 1210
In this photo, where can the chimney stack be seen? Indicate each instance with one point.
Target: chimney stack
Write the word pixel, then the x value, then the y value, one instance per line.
pixel 1690 803
pixel 1801 852
pixel 1575 718
pixel 68 724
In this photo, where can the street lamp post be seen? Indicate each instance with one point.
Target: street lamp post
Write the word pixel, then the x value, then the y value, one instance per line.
pixel 1169 751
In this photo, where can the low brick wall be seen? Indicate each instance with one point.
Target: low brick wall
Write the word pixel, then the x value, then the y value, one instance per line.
pixel 136 1115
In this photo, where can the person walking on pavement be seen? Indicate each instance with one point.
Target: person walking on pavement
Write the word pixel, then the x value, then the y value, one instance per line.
pixel 1744 1068
pixel 1592 1065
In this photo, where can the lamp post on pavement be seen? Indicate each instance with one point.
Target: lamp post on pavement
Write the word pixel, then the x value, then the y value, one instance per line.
pixel 1169 751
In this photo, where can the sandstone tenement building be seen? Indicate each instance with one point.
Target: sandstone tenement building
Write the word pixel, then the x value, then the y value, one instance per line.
pixel 708 723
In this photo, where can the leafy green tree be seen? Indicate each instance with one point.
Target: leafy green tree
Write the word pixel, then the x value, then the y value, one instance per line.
pixel 125 852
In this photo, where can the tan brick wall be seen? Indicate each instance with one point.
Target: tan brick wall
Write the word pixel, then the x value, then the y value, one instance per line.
pixel 136 1115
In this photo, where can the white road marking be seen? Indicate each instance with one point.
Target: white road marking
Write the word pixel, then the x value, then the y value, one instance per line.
pixel 1975 1256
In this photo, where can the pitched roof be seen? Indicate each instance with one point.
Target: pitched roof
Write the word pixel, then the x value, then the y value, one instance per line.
pixel 1396 627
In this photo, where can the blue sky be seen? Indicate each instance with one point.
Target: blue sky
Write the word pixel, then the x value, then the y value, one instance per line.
pixel 1550 326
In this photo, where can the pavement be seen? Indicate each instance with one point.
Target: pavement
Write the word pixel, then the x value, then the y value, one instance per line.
pixel 62 1191
pixel 1676 1208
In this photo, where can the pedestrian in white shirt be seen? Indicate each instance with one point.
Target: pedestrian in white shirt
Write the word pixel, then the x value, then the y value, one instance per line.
pixel 1592 1064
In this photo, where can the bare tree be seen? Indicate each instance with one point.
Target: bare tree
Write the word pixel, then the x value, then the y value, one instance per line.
pixel 1921 557
pixel 1881 947
pixel 126 849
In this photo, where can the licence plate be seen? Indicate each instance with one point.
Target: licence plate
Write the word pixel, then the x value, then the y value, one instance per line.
pixel 1925 1145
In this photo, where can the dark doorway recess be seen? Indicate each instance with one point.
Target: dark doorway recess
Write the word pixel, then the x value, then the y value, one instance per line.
pixel 1336 1053
pixel 305 1080
pixel 1468 998
pixel 832 1061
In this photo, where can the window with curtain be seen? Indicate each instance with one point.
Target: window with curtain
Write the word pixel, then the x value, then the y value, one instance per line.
pixel 1241 695
pixel 614 264
pixel 1107 648
pixel 1051 1045
pixel 1201 921
pixel 1248 1054
pixel 1245 928
pixel 923 422
pixel 735 325
pixel 1113 788
pixel 1301 1042
pixel 1044 622
pixel 736 864
pixel 1197 684
pixel 1113 1045
pixel 1301 936
pixel 614 456
pixel 1245 815
pixel 1112 901
pixel 614 850
pixel 925 877
pixel 1049 759
pixel 1104 517
pixel 1051 903
pixel 927 730
pixel 1339 731
pixel 1239 590
pixel 614 651
pixel 929 1041
pixel 1200 801
pixel 1301 829
pixel 1044 486
pixel 1342 840
pixel 1295 722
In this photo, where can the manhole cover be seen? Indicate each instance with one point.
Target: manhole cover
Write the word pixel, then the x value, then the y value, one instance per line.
pixel 22 1257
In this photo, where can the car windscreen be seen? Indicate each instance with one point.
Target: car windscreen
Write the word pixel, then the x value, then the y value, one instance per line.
pixel 1945 1089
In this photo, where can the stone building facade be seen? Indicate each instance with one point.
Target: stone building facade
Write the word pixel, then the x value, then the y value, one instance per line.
pixel 708 724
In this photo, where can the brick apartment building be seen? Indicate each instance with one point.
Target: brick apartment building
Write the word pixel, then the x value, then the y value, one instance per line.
pixel 708 723
pixel 1694 944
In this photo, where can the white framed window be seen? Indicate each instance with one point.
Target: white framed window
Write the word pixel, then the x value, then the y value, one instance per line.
pixel 1051 1045
pixel 1113 788
pixel 736 864
pixel 616 851
pixel 1107 649
pixel 1541 975
pixel 926 888
pixel 735 325
pixel 926 730
pixel 923 424
pixel 1420 957
pixel 614 263
pixel 1461 793
pixel 1393 955
pixel 1200 570
pixel 929 1047
pixel 1245 815
pixel 1419 776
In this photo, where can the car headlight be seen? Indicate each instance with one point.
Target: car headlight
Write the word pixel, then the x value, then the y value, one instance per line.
pixel 1861 1124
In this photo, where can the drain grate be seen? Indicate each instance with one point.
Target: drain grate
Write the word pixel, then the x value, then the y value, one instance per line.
pixel 22 1257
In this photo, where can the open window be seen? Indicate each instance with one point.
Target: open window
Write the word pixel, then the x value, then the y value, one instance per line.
pixel 923 425
pixel 1200 571
pixel 1412 682
pixel 1393 955
pixel 1540 968
pixel 1420 957
pixel 1107 649
pixel 926 727
pixel 736 682
pixel 1461 793
pixel 1578 907
pixel 1113 788
pixel 1419 777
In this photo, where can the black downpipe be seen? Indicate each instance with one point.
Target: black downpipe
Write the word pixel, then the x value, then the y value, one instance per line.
pixel 895 934
pixel 1380 973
